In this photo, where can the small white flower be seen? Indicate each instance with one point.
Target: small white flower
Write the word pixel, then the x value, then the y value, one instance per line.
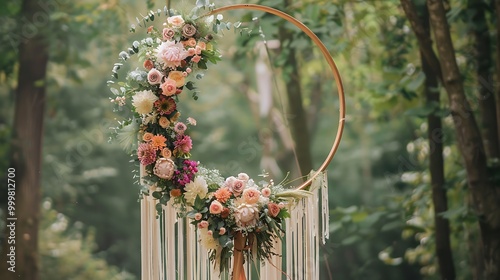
pixel 143 101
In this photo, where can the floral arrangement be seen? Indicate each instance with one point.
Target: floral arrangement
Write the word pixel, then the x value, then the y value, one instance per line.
pixel 218 207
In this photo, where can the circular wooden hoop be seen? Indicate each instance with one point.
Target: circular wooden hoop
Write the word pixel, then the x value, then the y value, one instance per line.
pixel 331 63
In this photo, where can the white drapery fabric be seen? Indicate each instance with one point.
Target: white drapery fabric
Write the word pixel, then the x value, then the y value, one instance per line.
pixel 170 249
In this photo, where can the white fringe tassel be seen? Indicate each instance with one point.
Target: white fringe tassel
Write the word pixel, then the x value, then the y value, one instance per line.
pixel 170 249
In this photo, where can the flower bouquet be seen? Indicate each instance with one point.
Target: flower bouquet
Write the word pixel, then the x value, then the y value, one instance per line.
pixel 232 215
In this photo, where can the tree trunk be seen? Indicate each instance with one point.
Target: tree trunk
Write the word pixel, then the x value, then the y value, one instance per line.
pixel 497 16
pixel 436 167
pixel 485 195
pixel 27 149
pixel 486 92
pixel 296 115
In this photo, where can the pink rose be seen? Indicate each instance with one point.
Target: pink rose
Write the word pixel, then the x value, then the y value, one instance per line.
pixel 273 209
pixel 197 216
pixel 191 52
pixel 243 177
pixel 215 207
pixel 168 34
pixel 202 45
pixel 198 50
pixel 210 233
pixel 237 187
pixel 222 231
pixel 266 192
pixel 203 224
pixel 154 76
pixel 175 20
pixel 164 168
pixel 196 59
pixel 188 30
pixel 168 87
pixel 251 196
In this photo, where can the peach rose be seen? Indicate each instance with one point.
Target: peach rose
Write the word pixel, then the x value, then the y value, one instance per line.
pixel 177 77
pixel 196 59
pixel 168 87
pixel 215 207
pixel 191 42
pixel 164 122
pixel 175 20
pixel 166 153
pixel 202 45
pixel 273 209
pixel 147 136
pixel 251 196
pixel 222 231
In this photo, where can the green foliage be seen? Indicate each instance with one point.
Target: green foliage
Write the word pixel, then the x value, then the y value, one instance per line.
pixel 67 254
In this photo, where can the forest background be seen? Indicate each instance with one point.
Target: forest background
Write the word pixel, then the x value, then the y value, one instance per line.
pixel 414 187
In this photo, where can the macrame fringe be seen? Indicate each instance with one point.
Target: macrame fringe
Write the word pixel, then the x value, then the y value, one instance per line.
pixel 170 249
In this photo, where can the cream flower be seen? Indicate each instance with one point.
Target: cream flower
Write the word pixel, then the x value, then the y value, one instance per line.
pixel 171 54
pixel 208 241
pixel 198 187
pixel 143 101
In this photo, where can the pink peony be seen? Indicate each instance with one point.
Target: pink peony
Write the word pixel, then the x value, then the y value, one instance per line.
pixel 146 153
pixel 154 76
pixel 215 207
pixel 246 215
pixel 171 54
